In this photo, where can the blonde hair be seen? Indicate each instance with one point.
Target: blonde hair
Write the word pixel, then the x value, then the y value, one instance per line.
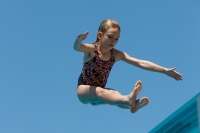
pixel 105 25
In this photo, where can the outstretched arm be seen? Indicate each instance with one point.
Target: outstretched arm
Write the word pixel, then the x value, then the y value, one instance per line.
pixel 147 65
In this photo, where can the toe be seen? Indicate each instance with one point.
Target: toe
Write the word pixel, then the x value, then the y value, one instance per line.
pixel 138 83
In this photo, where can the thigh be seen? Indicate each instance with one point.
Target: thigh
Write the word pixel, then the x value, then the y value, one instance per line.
pixel 88 94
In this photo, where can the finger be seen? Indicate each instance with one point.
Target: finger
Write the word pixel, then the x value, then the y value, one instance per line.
pixel 179 78
pixel 173 69
pixel 86 33
pixel 179 75
pixel 81 35
pixel 176 78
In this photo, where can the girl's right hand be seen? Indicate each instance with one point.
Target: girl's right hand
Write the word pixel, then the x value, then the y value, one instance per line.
pixel 83 36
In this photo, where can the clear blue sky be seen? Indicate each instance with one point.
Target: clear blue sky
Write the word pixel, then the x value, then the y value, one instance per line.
pixel 39 68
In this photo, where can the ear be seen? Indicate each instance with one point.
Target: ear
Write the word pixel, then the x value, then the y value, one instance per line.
pixel 99 35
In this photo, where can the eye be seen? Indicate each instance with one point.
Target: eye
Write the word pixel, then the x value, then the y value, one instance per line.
pixel 109 36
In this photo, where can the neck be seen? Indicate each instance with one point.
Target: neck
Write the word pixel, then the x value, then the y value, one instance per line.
pixel 103 50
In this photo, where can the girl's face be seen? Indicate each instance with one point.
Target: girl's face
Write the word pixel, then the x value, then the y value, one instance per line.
pixel 110 38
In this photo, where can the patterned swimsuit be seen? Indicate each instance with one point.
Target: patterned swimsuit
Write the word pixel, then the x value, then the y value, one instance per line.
pixel 95 72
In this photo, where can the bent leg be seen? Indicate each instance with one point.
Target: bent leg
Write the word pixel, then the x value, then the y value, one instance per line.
pixel 92 94
pixel 97 95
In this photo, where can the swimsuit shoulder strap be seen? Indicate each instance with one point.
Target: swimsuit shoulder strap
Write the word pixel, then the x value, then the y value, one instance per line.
pixel 112 53
pixel 95 48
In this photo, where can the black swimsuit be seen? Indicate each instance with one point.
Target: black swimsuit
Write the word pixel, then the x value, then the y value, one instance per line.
pixel 95 72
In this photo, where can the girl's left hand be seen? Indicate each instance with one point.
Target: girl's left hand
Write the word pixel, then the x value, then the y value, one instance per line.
pixel 174 74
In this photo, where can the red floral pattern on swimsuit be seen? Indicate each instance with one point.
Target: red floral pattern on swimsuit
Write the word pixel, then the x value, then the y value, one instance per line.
pixel 96 71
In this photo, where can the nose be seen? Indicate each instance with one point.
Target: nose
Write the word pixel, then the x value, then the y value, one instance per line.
pixel 113 40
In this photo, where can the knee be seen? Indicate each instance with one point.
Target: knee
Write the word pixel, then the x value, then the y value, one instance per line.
pixel 82 96
pixel 100 92
pixel 83 100
pixel 80 91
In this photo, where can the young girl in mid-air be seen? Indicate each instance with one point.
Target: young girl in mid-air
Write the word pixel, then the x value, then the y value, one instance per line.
pixel 99 58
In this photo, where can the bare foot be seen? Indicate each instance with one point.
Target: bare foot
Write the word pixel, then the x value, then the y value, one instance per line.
pixel 139 104
pixel 132 96
pixel 138 87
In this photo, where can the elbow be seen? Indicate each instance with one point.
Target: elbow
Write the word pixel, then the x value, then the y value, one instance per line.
pixel 142 64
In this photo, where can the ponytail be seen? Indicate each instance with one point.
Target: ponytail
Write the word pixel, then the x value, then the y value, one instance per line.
pixel 97 41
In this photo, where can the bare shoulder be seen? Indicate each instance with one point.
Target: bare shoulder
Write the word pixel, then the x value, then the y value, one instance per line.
pixel 89 47
pixel 119 55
